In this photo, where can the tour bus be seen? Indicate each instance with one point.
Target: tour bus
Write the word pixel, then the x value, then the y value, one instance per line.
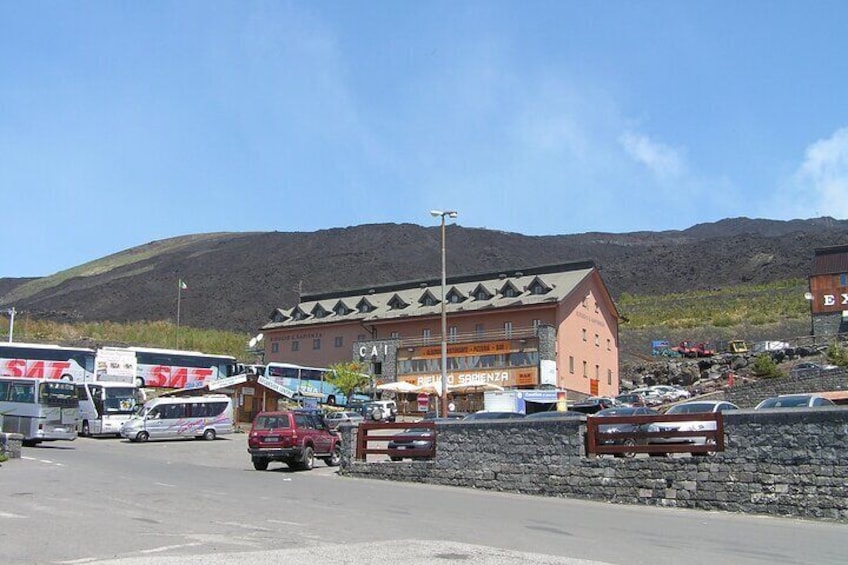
pixel 39 409
pixel 104 406
pixel 39 361
pixel 168 368
pixel 307 382
pixel 171 417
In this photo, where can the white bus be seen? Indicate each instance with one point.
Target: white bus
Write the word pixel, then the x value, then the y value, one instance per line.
pixel 170 417
pixel 104 406
pixel 38 361
pixel 168 368
pixel 39 409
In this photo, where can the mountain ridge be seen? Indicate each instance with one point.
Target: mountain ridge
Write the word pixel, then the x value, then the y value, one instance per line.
pixel 236 279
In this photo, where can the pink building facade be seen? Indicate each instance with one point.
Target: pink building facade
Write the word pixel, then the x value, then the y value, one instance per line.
pixel 550 326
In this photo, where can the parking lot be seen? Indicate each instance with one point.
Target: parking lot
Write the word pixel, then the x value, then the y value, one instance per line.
pixel 108 500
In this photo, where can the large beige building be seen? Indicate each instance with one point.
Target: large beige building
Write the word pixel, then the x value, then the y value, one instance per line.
pixel 549 326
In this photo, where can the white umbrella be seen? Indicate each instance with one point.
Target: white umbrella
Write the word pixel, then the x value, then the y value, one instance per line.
pixel 398 386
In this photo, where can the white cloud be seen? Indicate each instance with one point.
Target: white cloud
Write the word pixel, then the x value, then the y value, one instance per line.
pixel 662 160
pixel 822 180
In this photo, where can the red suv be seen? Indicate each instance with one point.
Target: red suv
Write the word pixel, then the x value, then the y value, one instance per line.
pixel 294 437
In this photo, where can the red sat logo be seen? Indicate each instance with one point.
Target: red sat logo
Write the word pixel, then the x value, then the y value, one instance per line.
pixel 34 369
pixel 175 377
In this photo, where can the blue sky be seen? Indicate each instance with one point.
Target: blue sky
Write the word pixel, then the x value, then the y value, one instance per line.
pixel 128 122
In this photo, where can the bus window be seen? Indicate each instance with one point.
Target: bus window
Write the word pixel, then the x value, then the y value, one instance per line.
pixel 4 391
pixel 22 392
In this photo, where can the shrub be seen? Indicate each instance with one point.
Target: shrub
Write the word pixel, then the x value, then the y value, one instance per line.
pixel 837 355
pixel 764 366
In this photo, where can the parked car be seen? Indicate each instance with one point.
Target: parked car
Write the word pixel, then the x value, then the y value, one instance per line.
pixel 593 404
pixel 794 401
pixel 806 368
pixel 294 437
pixel 624 427
pixel 380 410
pixel 484 415
pixel 335 419
pixel 650 396
pixel 414 443
pixel 630 399
pixel 671 393
pixel 431 415
pixel 555 414
pixel 694 407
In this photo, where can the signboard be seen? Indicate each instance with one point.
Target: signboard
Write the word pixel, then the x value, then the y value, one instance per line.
pixel 547 372
pixel 229 381
pixel 115 365
pixel 465 349
pixel 276 387
pixel 423 402
pixel 518 376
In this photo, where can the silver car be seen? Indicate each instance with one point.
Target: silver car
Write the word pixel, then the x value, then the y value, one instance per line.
pixel 794 401
pixel 335 419
pixel 695 426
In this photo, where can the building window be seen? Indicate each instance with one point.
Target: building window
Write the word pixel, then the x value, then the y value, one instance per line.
pixel 425 333
pixel 596 308
pixel 377 368
pixel 295 346
pixel 609 344
pixel 360 337
pixel 843 279
pixel 597 372
pixel 339 341
pixel 585 302
pixel 585 370
pixel 597 340
pixel 452 334
pixel 571 364
pixel 478 329
pixel 508 329
pixel 275 347
pixel 316 343
pixel 584 334
pixel 395 335
pixel 609 376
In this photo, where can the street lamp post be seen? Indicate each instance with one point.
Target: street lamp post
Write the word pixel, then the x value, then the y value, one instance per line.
pixel 443 406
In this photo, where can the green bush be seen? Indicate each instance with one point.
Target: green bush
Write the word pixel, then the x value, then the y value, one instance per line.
pixel 837 354
pixel 764 366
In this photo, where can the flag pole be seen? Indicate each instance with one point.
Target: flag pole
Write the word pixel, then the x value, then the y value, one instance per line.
pixel 179 297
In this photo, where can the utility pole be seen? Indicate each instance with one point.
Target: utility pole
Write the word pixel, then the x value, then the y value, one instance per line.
pixel 11 322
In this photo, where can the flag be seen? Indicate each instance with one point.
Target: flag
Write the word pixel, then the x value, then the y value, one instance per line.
pixel 183 285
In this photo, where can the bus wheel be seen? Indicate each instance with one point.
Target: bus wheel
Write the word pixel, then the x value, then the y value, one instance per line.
pixel 142 436
pixel 331 400
pixel 139 382
pixel 85 431
pixel 209 434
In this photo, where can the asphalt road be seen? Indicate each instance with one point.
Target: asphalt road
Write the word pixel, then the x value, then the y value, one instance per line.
pixel 110 501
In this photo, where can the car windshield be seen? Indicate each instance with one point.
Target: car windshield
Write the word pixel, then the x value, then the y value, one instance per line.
pixel 786 402
pixel 271 422
pixel 119 400
pixel 692 408
pixel 617 412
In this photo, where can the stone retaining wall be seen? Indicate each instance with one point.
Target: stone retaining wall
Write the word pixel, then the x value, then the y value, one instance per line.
pixel 786 463
pixel 749 395
pixel 10 445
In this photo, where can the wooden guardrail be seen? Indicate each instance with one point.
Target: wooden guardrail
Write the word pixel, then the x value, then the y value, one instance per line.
pixel 370 434
pixel 632 435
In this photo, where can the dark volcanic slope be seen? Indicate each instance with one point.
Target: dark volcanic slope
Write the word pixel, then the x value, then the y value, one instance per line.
pixel 236 280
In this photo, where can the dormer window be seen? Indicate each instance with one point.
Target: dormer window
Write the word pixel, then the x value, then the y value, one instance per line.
pixel 509 291
pixel 454 296
pixel 538 286
pixel 363 307
pixel 279 317
pixel 481 293
pixel 427 299
pixel 397 303
pixel 298 314
pixel 341 309
pixel 319 311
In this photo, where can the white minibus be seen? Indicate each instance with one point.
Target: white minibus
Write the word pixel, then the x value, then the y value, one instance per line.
pixel 104 406
pixel 169 417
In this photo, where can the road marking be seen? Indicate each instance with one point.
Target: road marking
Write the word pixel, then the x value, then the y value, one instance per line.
pixel 283 522
pixel 10 515
pixel 83 560
pixel 165 485
pixel 45 461
pixel 169 547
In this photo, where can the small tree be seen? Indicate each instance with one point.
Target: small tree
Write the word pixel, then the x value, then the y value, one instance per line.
pixel 837 354
pixel 348 377
pixel 764 366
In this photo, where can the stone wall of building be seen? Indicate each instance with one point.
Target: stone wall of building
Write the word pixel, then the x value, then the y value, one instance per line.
pixel 10 445
pixel 750 394
pixel 829 324
pixel 787 463
pixel 382 351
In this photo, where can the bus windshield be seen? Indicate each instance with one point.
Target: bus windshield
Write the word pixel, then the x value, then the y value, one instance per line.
pixel 58 394
pixel 119 400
